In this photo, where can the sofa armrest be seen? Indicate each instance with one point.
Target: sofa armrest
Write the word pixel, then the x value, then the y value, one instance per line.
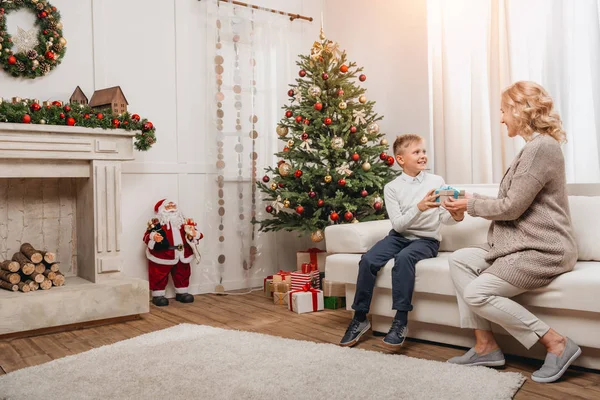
pixel 355 238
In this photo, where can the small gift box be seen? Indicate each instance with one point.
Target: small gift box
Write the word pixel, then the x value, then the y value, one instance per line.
pixel 334 302
pixel 280 298
pixel 446 192
pixel 281 287
pixel 300 279
pixel 305 300
pixel 282 276
pixel 268 287
pixel 311 256
pixel 334 288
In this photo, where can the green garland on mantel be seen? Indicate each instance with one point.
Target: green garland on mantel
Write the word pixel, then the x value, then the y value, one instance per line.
pixel 56 113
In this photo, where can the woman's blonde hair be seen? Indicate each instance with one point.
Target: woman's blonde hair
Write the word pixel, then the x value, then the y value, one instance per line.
pixel 533 110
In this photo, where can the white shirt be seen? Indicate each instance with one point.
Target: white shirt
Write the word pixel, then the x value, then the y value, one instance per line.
pixel 401 198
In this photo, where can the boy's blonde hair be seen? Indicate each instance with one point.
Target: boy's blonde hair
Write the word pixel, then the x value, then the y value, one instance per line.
pixel 533 110
pixel 403 141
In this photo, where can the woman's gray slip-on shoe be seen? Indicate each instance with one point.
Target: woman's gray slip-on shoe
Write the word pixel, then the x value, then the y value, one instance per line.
pixel 555 366
pixel 471 358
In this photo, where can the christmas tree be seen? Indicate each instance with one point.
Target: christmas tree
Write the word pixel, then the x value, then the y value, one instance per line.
pixel 334 166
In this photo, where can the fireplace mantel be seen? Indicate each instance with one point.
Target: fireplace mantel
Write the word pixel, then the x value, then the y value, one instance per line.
pixel 99 290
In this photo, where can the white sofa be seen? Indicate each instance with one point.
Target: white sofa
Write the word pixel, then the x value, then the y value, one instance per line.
pixel 570 304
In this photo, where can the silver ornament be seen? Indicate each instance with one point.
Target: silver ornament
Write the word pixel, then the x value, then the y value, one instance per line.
pixel 373 128
pixel 314 91
pixel 42 121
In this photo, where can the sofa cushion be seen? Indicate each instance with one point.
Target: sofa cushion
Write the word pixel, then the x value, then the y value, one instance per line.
pixel 355 238
pixel 585 217
pixel 575 290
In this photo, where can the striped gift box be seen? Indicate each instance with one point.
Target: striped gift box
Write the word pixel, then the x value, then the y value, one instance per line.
pixel 299 279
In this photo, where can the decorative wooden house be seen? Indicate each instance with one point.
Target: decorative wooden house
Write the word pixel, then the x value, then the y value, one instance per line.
pixel 111 97
pixel 78 97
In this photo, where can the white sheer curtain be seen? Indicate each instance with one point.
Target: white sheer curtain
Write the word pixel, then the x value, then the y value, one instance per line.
pixel 478 47
pixel 251 57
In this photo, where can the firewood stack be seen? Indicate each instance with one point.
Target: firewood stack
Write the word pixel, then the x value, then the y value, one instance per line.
pixel 30 270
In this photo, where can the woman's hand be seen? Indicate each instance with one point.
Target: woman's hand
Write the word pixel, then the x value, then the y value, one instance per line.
pixel 455 206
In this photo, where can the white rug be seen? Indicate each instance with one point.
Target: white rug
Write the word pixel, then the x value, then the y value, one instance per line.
pixel 201 362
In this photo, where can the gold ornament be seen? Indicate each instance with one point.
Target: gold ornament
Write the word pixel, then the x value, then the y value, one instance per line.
pixel 337 142
pixel 314 91
pixel 59 26
pixel 355 221
pixel 383 142
pixel 364 140
pixel 362 99
pixel 290 142
pixel 0 46
pixel 285 169
pixel 42 121
pixel 286 203
pixel 372 128
pixel 317 236
pixel 273 186
pixel 343 105
pixel 282 130
pixel 327 178
pixel 62 41
pixel 366 166
pixel 35 63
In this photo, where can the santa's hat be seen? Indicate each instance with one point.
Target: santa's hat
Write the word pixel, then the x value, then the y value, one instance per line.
pixel 158 205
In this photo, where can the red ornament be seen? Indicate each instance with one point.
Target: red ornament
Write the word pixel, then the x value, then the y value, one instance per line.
pixel 325 76
pixel 286 149
pixel 327 121
pixel 305 136
pixel 150 124
pixel 298 173
pixel 390 161
pixel 318 106
pixel 49 55
pixel 146 127
pixel 86 116
pixel 377 206
pixel 306 121
pixel 302 73
pixel 383 156
pixel 42 14
pixel 364 193
pixel 320 203
pixel 45 32
pixel 291 92
pixel 334 216
pixel 343 68
pixel 26 119
pixel 355 157
pixel 353 129
pixel 116 123
pixel 266 179
pixel 57 103
pixel 67 108
pixel 348 216
pixel 300 210
pixel 289 114
pixel 70 121
pixel 100 116
pixel 298 118
pixel 312 194
pixel 125 122
pixel 269 209
pixel 35 107
pixel 135 117
pixel 362 77
pixel 340 93
pixel 281 184
pixel 53 8
pixel 12 60
pixel 342 182
pixel 62 116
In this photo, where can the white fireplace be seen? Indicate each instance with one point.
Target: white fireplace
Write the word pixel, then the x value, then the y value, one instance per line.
pixel 88 163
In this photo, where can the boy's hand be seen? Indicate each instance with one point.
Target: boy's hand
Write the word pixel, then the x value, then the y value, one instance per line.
pixel 429 201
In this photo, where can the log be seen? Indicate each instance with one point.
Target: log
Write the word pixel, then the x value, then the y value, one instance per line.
pixel 49 257
pixel 26 266
pixel 49 274
pixel 39 278
pixel 11 266
pixel 9 286
pixel 54 267
pixel 23 287
pixel 59 279
pixel 33 284
pixel 40 268
pixel 45 284
pixel 31 253
pixel 11 277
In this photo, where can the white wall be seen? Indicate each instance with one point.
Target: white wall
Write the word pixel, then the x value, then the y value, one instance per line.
pixel 155 50
pixel 389 39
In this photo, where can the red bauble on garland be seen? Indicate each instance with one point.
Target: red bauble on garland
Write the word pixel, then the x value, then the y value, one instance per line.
pixel 266 179
pixel 300 210
pixel 67 108
pixel 355 157
pixel 348 216
pixel 100 116
pixel 342 182
pixel 334 216
pixel 302 73
pixel 135 117
pixel 61 116
pixel 327 121
pixel 298 173
pixel 42 14
pixel 71 121
pixel 289 114
pixel 50 55
pixel 116 122
pixel 35 107
pixel 318 106
pixel 26 119
pixel 12 60
pixel 146 127
pixel 86 116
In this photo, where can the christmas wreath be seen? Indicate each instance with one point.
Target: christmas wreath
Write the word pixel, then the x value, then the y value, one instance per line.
pixel 38 52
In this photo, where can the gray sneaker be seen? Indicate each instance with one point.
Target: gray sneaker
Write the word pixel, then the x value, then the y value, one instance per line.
pixel 555 366
pixel 471 358
pixel 355 330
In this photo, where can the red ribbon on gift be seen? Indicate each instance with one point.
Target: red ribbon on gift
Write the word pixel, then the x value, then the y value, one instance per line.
pixel 313 255
pixel 283 274
pixel 265 282
pixel 306 268
pixel 307 288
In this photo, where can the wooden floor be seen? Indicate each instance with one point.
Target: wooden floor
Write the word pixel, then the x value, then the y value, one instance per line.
pixel 254 312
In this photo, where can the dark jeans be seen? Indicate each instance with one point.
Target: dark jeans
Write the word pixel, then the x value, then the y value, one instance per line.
pixel 406 253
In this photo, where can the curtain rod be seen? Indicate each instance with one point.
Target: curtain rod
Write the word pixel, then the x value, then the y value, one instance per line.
pixel 292 16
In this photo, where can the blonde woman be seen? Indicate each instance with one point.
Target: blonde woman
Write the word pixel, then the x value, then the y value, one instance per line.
pixel 530 241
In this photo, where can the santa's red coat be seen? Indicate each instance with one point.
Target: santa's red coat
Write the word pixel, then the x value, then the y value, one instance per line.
pixel 170 256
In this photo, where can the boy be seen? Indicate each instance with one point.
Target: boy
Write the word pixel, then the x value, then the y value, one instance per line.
pixel 415 216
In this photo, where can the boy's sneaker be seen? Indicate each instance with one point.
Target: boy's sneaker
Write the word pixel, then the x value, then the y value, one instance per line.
pixel 396 335
pixel 355 330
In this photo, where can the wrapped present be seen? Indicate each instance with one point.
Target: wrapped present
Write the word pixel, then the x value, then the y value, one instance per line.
pixel 265 282
pixel 282 276
pixel 445 192
pixel 281 287
pixel 334 302
pixel 280 298
pixel 300 279
pixel 306 268
pixel 311 256
pixel 308 299
pixel 268 287
pixel 334 288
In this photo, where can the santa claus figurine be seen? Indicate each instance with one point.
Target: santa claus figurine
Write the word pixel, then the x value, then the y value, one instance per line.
pixel 171 241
